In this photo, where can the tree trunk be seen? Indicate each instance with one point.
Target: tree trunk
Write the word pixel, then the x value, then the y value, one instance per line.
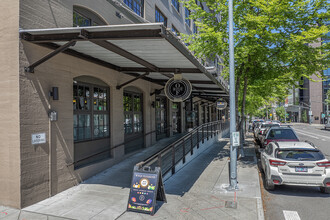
pixel 241 122
pixel 243 101
pixel 238 81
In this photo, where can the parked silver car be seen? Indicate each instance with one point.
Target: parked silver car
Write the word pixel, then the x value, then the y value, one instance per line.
pixel 262 128
pixel 295 163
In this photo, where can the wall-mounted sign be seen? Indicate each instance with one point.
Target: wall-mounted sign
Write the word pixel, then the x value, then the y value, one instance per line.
pixel 178 89
pixel 235 139
pixel 221 105
pixel 39 138
pixel 147 187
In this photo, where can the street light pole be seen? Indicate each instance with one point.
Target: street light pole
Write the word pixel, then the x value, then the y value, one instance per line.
pixel 233 150
pixel 310 112
pixel 327 111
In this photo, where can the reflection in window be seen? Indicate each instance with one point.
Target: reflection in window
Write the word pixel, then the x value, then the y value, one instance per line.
pixel 135 5
pixel 160 17
pixel 90 123
pixel 176 5
pixel 133 118
pixel 187 14
pixel 80 20
pixel 195 28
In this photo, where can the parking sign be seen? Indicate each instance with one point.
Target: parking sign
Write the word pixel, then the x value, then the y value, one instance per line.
pixel 235 139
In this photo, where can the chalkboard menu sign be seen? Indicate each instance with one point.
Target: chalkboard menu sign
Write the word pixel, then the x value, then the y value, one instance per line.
pixel 146 187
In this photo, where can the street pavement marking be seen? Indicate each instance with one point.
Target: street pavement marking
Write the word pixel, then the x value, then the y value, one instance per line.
pixel 312 134
pixel 299 132
pixel 291 215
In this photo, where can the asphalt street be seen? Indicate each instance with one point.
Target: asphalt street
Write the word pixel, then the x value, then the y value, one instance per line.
pixel 298 202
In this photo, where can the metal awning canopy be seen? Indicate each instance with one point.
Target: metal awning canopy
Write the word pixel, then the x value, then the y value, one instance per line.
pixel 147 51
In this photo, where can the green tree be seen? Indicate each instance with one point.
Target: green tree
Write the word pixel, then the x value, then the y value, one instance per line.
pixel 272 44
pixel 280 112
pixel 304 116
pixel 327 100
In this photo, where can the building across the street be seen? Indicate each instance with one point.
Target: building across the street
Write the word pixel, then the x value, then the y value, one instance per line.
pixel 83 88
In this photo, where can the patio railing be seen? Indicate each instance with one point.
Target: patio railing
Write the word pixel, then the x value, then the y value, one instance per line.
pixel 171 155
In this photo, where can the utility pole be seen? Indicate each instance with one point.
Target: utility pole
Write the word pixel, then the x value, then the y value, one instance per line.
pixel 233 150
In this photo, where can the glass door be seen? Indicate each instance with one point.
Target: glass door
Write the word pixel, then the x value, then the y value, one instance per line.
pixel 133 121
pixel 176 118
pixel 161 117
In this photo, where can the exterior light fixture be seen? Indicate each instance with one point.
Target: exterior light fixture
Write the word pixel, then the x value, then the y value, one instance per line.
pixel 54 93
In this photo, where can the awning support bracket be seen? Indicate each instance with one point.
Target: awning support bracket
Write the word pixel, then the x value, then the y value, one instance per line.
pixel 132 80
pixel 62 48
pixel 157 92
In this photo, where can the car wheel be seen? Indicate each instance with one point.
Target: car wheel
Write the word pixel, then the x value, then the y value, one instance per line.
pixel 325 189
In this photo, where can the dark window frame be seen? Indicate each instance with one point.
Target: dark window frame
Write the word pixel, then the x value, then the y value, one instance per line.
pixel 76 16
pixel 132 112
pixel 161 109
pixel 195 28
pixel 160 17
pixel 176 5
pixel 84 13
pixel 187 19
pixel 136 6
pixel 91 112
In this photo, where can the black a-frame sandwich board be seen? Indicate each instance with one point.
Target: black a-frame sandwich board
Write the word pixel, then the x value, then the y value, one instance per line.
pixel 146 188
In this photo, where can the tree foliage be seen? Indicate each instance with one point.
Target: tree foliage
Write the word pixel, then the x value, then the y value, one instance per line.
pixel 277 42
pixel 280 112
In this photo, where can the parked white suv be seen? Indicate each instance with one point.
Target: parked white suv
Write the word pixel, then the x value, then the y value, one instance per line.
pixel 295 163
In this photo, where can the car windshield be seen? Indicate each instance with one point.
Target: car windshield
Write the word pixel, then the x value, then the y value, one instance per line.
pixel 269 125
pixel 300 155
pixel 281 134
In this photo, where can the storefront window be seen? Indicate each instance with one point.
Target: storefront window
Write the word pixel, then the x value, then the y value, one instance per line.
pixel 133 120
pixel 90 123
pixel 161 117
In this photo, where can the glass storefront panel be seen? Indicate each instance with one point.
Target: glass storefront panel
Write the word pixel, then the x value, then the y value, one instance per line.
pixel 161 119
pixel 133 121
pixel 90 123
pixel 176 118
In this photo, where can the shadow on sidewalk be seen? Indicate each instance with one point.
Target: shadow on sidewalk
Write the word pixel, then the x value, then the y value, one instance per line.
pixel 184 179
pixel 120 175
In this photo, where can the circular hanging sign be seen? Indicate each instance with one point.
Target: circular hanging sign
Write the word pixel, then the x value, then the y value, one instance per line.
pixel 178 89
pixel 221 105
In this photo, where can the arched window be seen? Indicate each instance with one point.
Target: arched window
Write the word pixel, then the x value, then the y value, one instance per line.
pixel 83 17
pixel 133 119
pixel 90 111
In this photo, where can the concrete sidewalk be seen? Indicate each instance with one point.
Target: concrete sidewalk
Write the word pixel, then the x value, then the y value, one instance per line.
pixel 197 191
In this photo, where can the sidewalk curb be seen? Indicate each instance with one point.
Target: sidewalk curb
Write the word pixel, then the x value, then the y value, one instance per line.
pixel 260 208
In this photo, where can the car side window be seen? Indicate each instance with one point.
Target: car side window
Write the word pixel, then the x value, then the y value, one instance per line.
pixel 271 134
pixel 269 149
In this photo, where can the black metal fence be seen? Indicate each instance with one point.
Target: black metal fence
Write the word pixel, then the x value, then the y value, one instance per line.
pixel 171 155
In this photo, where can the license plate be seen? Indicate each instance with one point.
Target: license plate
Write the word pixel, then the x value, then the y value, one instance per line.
pixel 301 169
